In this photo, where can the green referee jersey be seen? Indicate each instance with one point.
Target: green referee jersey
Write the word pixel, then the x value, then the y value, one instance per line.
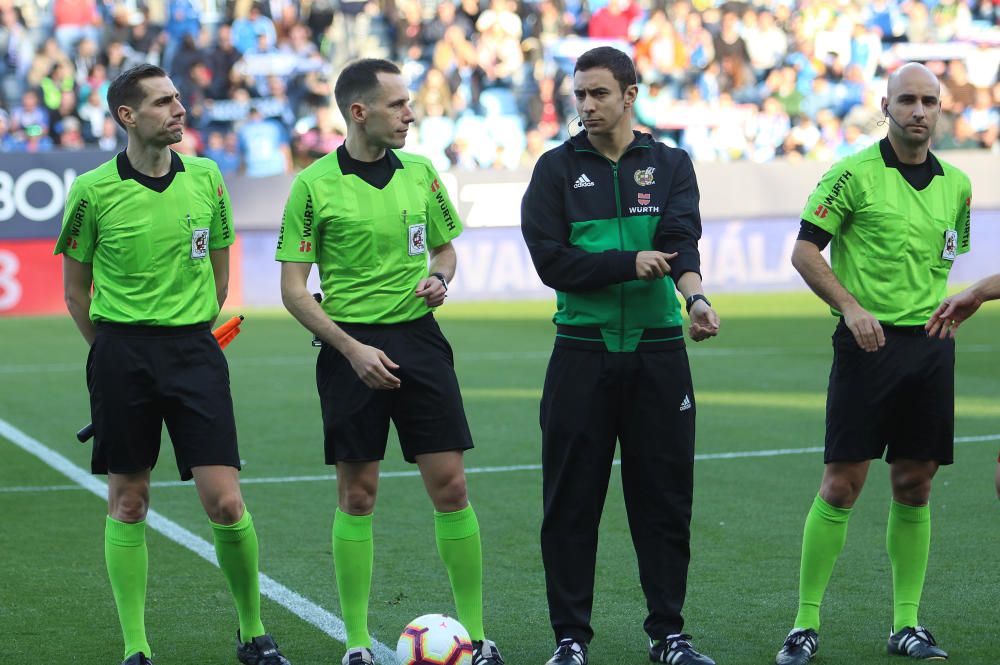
pixel 148 239
pixel 893 246
pixel 370 244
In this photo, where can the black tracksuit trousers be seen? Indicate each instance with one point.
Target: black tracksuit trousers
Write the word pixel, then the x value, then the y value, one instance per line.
pixel 645 400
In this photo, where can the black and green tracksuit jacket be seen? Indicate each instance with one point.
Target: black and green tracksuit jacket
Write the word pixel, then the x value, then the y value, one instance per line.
pixel 584 219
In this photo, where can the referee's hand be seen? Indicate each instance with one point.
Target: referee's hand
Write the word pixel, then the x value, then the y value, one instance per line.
pixel 866 329
pixel 951 312
pixel 432 290
pixel 372 367
pixel 650 265
pixel 704 321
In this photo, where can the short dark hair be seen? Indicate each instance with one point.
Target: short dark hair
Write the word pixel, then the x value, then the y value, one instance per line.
pixel 358 81
pixel 126 91
pixel 615 61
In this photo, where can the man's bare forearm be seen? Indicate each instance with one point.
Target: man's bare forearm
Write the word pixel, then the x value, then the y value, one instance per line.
pixel 300 303
pixel 689 284
pixel 77 280
pixel 444 260
pixel 79 309
pixel 809 262
pixel 308 312
pixel 987 288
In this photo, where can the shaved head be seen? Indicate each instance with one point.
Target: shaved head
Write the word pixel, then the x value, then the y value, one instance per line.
pixel 912 105
pixel 909 74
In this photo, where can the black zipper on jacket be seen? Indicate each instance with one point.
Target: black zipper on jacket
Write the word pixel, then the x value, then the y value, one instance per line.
pixel 621 232
pixel 621 246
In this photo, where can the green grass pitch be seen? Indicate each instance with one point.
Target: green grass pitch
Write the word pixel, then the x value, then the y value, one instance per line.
pixel 760 386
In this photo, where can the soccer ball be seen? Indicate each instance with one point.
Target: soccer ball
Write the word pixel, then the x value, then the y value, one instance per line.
pixel 434 639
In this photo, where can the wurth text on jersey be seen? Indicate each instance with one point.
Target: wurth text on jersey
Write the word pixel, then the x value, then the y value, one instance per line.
pixel 445 210
pixel 307 218
pixel 837 186
pixel 81 210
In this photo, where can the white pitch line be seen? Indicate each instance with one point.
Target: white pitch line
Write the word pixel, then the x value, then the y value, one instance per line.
pixel 295 603
pixel 777 452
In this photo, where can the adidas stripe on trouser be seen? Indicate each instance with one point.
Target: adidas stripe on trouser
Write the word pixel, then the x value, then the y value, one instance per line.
pixel 590 399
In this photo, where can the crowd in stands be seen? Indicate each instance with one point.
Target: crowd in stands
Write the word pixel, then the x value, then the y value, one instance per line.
pixel 492 79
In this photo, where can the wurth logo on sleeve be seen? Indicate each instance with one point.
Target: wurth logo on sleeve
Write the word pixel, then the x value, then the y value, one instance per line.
pixel 435 185
pixel 305 246
pixel 307 218
pixel 224 218
pixel 967 226
pixel 78 217
pixel 821 211
pixel 838 186
pixel 445 209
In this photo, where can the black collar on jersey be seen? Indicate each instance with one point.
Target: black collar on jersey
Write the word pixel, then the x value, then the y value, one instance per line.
pixel 377 173
pixel 127 172
pixel 582 142
pixel 918 175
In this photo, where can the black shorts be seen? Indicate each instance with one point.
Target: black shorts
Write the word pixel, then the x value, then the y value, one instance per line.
pixel 902 397
pixel 426 409
pixel 142 376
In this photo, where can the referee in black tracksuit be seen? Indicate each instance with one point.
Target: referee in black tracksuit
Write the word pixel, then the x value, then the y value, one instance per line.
pixel 611 220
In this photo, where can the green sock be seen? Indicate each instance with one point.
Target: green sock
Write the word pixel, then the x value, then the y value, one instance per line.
pixel 908 541
pixel 822 540
pixel 237 553
pixel 458 544
pixel 128 562
pixel 353 559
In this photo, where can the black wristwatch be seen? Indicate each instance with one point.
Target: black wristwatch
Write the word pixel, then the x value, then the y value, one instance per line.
pixel 692 299
pixel 440 276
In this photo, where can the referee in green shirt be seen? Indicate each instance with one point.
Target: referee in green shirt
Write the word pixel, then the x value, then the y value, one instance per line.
pixel 896 217
pixel 370 216
pixel 145 245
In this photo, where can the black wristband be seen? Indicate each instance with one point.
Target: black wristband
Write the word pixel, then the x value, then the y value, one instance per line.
pixel 440 276
pixel 691 300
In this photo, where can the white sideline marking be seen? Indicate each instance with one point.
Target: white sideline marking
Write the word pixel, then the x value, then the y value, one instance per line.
pixel 301 607
pixel 777 452
pixel 497 356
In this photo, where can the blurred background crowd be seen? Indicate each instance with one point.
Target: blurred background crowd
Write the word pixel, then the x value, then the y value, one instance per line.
pixel 492 79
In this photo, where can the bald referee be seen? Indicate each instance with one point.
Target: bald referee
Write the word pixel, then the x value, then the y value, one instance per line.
pixel 149 231
pixel 379 225
pixel 897 218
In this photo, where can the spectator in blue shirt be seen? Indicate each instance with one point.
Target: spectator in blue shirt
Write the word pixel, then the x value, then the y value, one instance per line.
pixel 264 144
pixel 246 30
pixel 225 152
pixel 8 142
pixel 183 19
pixel 30 113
